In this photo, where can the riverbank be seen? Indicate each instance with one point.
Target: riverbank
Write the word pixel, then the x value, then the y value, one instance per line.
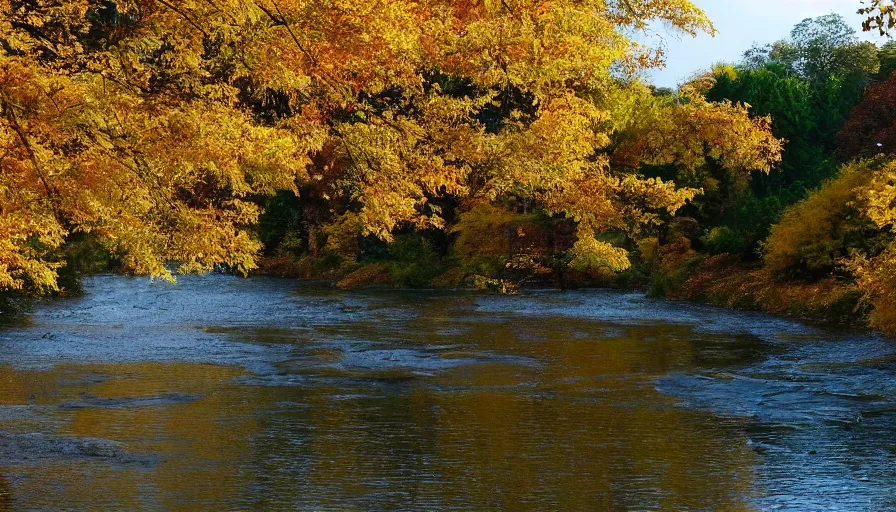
pixel 721 280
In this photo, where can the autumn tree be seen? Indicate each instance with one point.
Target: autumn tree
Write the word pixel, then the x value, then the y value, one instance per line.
pixel 871 129
pixel 876 271
pixel 155 126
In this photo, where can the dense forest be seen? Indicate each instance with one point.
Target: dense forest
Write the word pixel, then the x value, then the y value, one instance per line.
pixel 447 143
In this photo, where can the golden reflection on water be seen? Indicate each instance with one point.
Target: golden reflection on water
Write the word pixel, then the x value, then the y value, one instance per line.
pixel 573 423
pixel 14 386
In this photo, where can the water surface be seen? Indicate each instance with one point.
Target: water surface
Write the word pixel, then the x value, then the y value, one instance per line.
pixel 219 393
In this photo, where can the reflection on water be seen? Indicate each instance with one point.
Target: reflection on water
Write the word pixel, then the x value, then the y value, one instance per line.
pixel 268 395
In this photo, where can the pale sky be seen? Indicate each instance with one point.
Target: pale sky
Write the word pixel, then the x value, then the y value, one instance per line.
pixel 741 23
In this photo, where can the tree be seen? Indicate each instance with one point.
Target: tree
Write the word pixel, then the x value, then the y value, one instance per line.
pixel 802 116
pixel 819 49
pixel 871 129
pixel 156 125
pixel 887 57
pixel 791 104
pixel 808 85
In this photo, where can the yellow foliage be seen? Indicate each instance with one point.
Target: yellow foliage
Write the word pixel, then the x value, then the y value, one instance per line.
pixel 593 254
pixel 877 273
pixel 484 232
pixel 877 278
pixel 813 234
pixel 342 236
pixel 138 129
pixel 687 130
pixel 879 197
pixel 809 238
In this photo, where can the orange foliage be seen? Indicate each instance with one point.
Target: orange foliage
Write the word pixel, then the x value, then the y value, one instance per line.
pixel 154 124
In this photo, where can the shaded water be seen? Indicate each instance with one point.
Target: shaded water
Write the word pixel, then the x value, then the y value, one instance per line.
pixel 262 394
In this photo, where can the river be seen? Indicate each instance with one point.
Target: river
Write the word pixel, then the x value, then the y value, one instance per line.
pixel 220 393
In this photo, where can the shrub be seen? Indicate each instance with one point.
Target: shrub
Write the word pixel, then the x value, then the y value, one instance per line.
pixel 484 238
pixel 876 268
pixel 814 235
pixel 673 265
pixel 413 261
pixel 877 279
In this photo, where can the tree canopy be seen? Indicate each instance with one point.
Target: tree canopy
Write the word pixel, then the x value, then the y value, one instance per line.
pixel 818 49
pixel 155 126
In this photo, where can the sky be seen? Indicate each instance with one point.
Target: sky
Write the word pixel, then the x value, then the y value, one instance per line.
pixel 741 23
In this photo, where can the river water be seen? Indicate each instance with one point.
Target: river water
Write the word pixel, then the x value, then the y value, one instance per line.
pixel 227 394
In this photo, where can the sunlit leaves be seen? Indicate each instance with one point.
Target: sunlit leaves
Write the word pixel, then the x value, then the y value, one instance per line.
pixel 877 273
pixel 592 254
pixel 156 125
pixel 881 16
pixel 849 224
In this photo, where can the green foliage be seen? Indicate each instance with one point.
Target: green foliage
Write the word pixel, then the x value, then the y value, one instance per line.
pixel 807 85
pixel 725 239
pixel 818 49
pixel 413 261
pixel 746 224
pixel 279 226
pixel 887 57
pixel 805 117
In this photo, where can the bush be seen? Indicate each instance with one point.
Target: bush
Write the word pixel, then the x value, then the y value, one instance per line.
pixel 875 267
pixel 413 261
pixel 484 234
pixel 879 286
pixel 814 235
pixel 746 225
pixel 724 281
pixel 673 265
